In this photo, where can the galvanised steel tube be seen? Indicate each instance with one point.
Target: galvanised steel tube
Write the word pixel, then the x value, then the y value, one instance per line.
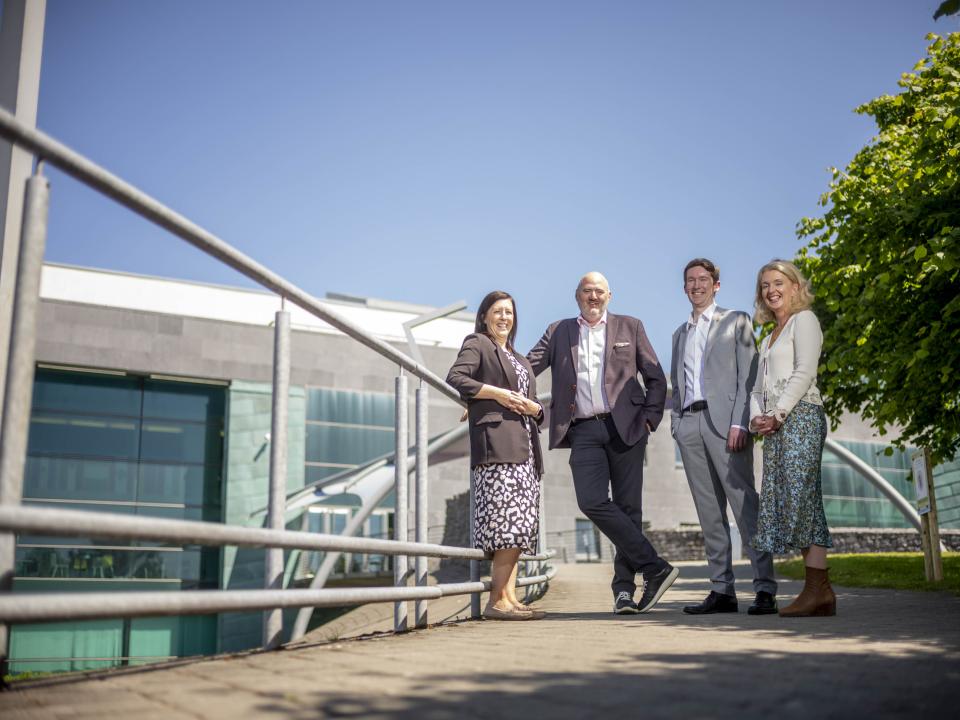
pixel 91 174
pixel 88 606
pixel 474 562
pixel 80 523
pixel 277 495
pixel 401 483
pixel 18 396
pixel 423 440
pixel 37 607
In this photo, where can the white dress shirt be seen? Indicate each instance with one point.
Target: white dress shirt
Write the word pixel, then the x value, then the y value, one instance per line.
pixel 591 398
pixel 697 331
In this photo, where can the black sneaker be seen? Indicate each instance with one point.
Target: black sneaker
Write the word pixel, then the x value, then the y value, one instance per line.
pixel 765 604
pixel 624 604
pixel 656 586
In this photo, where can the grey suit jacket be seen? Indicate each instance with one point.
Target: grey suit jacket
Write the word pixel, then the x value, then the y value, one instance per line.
pixel 729 370
pixel 627 353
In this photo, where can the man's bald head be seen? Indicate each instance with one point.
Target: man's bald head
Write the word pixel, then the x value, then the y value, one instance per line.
pixel 593 294
pixel 594 278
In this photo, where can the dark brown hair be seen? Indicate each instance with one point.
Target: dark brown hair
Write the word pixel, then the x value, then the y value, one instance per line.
pixel 485 305
pixel 706 265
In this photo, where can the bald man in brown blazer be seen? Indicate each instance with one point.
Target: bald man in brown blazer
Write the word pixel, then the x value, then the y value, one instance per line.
pixel 601 411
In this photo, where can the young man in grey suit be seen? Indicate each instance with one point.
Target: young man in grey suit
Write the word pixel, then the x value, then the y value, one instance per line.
pixel 712 369
pixel 603 414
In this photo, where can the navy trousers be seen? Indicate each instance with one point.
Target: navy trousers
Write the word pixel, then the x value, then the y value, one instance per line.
pixel 608 479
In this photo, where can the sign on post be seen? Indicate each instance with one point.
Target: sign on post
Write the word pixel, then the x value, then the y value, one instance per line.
pixel 927 507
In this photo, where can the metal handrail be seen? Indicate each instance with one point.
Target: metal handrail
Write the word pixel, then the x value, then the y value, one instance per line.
pixel 55 521
pixel 97 177
pixel 97 606
pixel 80 523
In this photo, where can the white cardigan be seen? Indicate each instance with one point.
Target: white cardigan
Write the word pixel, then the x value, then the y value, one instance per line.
pixel 788 370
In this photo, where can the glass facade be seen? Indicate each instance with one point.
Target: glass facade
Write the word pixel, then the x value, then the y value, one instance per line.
pixel 130 445
pixel 346 429
pixel 851 501
pixel 946 479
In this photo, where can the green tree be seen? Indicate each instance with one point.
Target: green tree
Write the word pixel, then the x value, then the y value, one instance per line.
pixel 884 261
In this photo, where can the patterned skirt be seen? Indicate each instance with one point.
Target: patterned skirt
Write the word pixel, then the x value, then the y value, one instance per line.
pixel 506 506
pixel 791 499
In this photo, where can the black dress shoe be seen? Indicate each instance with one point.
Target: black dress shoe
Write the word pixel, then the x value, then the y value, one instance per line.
pixel 624 604
pixel 656 586
pixel 764 604
pixel 715 603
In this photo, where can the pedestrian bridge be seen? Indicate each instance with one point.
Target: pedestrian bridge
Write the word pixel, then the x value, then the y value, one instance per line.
pixel 886 654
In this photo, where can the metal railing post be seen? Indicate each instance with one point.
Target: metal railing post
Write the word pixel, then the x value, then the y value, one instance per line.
pixel 18 398
pixel 542 537
pixel 474 564
pixel 401 504
pixel 273 563
pixel 422 481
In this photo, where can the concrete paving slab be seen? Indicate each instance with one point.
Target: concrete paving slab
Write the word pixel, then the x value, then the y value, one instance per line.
pixel 886 655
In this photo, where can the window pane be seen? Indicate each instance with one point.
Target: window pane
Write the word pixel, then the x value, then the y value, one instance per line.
pixel 83 393
pixel 71 641
pixel 315 473
pixel 350 407
pixel 187 484
pixel 83 436
pixel 182 401
pixel 346 445
pixel 78 479
pixel 74 563
pixel 181 442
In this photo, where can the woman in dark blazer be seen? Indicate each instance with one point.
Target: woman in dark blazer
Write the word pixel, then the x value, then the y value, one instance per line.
pixel 505 457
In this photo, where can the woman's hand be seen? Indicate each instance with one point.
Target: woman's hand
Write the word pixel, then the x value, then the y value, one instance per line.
pixel 510 400
pixel 765 425
pixel 529 406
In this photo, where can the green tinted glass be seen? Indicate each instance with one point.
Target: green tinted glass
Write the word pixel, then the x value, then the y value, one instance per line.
pixel 334 444
pixel 86 393
pixel 356 408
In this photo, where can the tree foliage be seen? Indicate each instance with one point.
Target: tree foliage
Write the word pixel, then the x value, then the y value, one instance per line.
pixel 884 261
pixel 947 7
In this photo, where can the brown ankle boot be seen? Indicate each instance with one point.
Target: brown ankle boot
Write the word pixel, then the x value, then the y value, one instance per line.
pixel 816 598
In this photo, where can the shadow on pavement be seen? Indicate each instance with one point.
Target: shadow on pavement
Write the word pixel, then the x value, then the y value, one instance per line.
pixel 719 684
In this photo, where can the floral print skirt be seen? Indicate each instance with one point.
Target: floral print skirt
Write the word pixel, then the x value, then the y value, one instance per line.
pixel 506 506
pixel 791 499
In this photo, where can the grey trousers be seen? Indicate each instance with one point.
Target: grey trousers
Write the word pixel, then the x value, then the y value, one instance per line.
pixel 716 477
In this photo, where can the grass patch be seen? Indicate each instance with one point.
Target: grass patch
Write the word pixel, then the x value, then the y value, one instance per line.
pixel 899 571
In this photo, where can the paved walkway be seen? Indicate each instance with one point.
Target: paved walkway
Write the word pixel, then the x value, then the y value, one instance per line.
pixel 888 654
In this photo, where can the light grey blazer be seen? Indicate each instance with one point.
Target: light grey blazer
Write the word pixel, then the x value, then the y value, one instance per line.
pixel 729 370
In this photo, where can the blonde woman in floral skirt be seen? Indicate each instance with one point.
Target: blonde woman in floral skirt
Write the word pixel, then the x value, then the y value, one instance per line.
pixel 787 410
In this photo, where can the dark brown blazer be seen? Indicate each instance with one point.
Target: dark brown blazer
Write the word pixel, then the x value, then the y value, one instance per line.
pixel 497 435
pixel 627 353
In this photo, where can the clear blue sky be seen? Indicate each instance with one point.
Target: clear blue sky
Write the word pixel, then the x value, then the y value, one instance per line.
pixel 432 151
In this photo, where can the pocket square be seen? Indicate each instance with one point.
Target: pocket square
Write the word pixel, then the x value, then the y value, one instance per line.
pixel 621 344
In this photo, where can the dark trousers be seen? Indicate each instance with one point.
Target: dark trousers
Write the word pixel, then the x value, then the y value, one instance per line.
pixel 603 464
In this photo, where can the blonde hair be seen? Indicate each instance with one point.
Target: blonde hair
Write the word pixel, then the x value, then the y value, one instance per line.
pixel 802 300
